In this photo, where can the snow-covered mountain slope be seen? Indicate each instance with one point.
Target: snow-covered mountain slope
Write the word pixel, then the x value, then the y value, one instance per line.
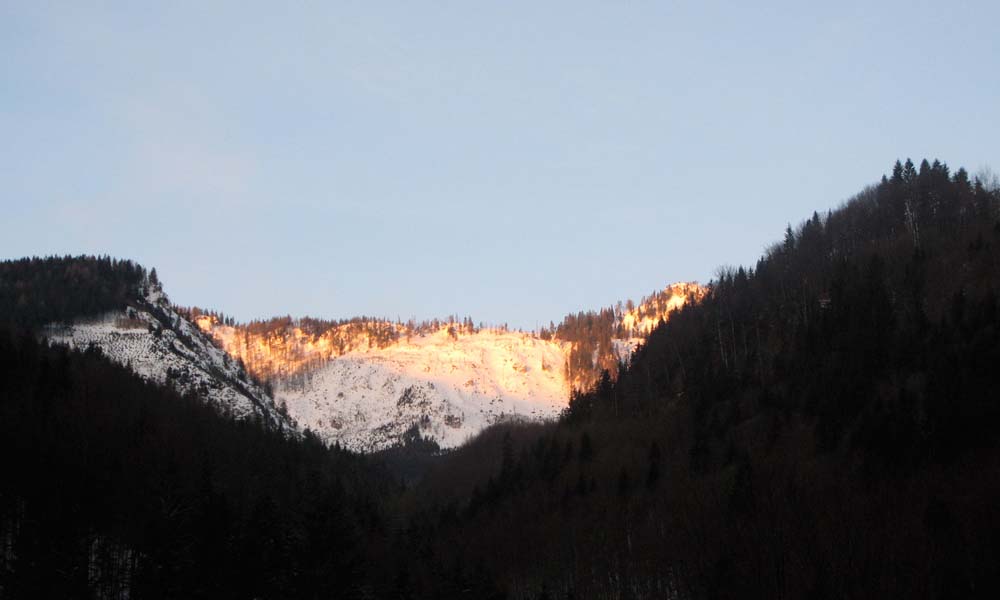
pixel 363 383
pixel 451 387
pixel 154 341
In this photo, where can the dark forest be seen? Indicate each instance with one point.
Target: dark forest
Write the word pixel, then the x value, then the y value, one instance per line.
pixel 822 424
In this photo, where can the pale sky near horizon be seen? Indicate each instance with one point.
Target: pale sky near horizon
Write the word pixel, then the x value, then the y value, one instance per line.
pixel 511 161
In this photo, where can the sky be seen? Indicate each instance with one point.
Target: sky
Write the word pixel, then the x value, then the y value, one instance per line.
pixel 511 161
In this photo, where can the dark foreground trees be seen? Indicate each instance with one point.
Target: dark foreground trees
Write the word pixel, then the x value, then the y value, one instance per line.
pixel 114 488
pixel 38 291
pixel 822 425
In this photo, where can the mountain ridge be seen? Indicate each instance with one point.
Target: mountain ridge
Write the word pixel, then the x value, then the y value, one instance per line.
pixel 119 309
pixel 365 383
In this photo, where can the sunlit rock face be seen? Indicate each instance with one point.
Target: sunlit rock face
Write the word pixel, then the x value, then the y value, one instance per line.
pixel 364 383
pixel 639 321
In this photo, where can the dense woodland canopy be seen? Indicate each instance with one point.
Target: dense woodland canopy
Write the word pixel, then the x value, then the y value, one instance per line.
pixel 116 488
pixel 38 291
pixel 822 424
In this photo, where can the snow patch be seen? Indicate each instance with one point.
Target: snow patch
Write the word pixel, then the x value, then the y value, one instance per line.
pixel 450 388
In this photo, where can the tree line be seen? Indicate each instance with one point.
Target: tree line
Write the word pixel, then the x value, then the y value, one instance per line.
pixel 38 291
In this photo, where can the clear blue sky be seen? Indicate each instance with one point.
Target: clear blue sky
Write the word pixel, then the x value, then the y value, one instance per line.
pixel 509 160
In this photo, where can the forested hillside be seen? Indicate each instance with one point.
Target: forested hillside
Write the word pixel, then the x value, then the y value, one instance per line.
pixel 118 307
pixel 113 487
pixel 822 424
pixel 38 291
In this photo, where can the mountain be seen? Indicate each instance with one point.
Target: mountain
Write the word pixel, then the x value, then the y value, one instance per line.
pixel 822 424
pixel 151 339
pixel 115 486
pixel 118 309
pixel 364 383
